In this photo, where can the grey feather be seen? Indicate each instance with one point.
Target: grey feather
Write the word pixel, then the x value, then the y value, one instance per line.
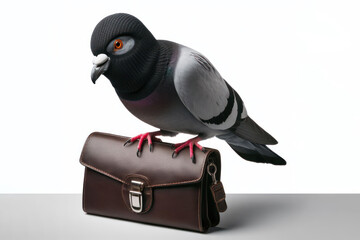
pixel 249 130
pixel 252 151
pixel 201 88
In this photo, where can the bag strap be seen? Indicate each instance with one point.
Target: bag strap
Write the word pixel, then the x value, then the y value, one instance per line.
pixel 217 189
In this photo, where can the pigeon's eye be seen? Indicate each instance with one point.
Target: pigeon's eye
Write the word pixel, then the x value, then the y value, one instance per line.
pixel 120 45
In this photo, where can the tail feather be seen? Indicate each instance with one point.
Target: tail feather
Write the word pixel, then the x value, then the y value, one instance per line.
pixel 252 151
pixel 251 131
pixel 261 154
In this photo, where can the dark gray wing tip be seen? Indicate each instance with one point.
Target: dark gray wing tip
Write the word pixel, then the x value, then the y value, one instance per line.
pixel 260 154
pixel 251 131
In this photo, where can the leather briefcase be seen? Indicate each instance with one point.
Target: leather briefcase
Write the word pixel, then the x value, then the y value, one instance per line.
pixel 154 188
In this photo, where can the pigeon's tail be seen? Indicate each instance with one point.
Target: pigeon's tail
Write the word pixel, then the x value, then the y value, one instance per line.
pixel 252 151
pixel 260 154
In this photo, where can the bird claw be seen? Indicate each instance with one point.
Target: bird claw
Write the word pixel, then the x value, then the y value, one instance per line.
pixel 149 137
pixel 128 142
pixel 193 159
pixel 190 144
pixel 138 153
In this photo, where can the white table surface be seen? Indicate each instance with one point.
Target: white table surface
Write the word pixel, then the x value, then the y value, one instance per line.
pixel 249 217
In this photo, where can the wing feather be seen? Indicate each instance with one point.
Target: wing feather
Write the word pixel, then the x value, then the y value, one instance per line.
pixel 203 91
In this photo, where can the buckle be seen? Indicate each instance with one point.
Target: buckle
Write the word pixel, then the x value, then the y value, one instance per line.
pixel 135 196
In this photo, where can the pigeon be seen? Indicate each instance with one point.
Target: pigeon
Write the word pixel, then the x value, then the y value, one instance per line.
pixel 175 89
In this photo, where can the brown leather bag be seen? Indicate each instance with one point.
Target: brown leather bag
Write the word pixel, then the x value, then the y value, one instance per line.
pixel 154 188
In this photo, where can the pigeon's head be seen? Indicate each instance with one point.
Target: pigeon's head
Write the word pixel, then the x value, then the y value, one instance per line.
pixel 125 52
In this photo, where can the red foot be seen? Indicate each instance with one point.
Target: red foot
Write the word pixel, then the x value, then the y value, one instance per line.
pixel 149 136
pixel 189 143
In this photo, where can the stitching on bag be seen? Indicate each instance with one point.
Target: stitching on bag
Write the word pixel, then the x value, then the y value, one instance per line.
pixel 188 181
pixel 105 173
pixel 154 185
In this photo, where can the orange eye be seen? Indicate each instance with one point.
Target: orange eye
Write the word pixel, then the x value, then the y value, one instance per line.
pixel 118 44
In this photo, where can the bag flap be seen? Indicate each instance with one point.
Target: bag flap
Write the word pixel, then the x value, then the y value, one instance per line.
pixel 106 154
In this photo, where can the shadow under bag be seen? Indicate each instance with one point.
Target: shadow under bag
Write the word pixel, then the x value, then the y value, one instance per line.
pixel 154 188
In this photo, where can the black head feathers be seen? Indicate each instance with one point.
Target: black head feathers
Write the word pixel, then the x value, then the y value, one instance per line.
pixel 120 24
pixel 129 71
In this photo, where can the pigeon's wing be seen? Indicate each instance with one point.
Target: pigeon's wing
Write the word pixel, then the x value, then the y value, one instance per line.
pixel 211 100
pixel 204 92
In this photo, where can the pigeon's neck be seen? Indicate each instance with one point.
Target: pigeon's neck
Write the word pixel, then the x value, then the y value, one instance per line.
pixel 160 68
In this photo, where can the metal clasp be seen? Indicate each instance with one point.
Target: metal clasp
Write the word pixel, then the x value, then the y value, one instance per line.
pixel 212 169
pixel 135 196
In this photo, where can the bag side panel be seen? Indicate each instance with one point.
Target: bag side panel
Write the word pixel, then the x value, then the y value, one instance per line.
pixel 211 216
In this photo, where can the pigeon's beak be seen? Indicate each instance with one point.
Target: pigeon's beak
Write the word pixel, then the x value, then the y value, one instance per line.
pixel 101 64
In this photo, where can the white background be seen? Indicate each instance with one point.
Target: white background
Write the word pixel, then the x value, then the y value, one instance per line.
pixel 294 63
